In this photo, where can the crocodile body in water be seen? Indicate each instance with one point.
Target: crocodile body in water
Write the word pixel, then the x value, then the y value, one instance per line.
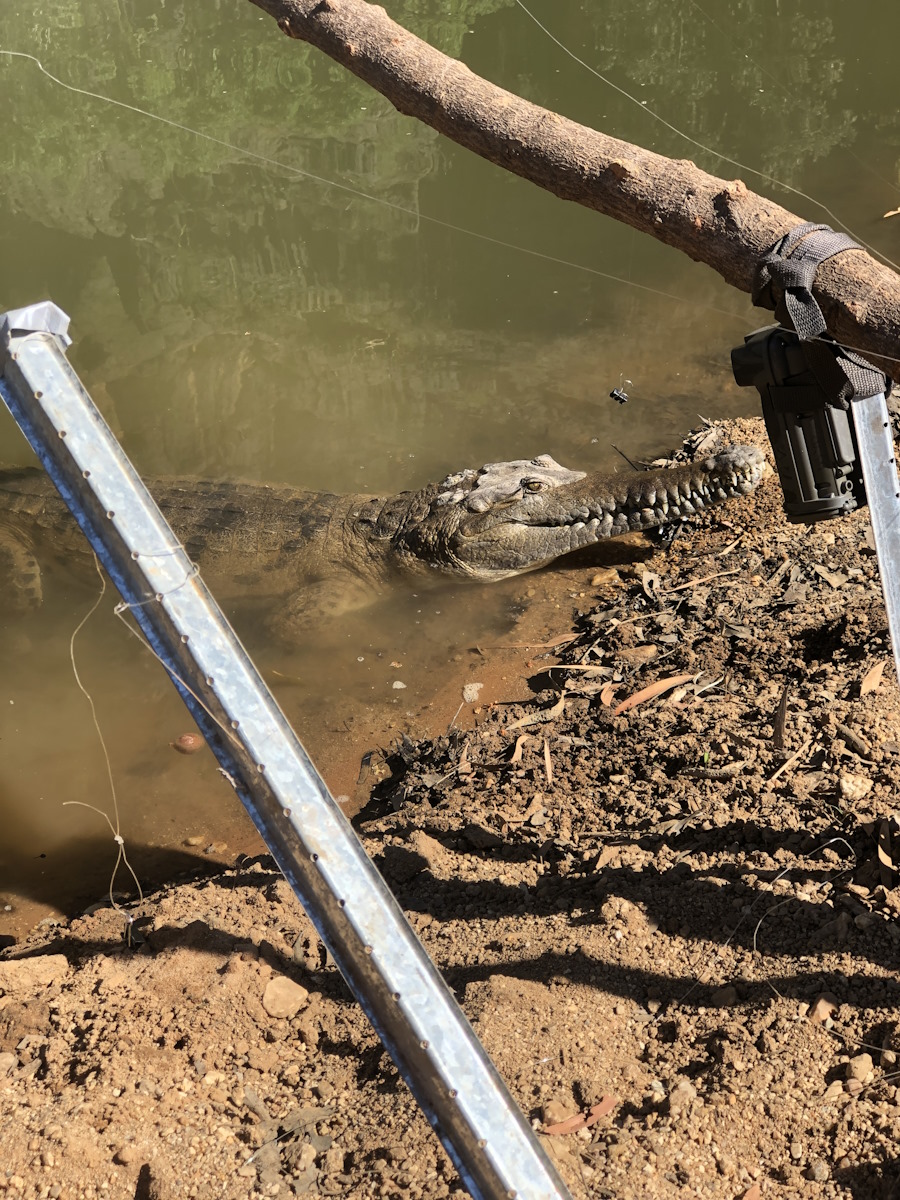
pixel 320 554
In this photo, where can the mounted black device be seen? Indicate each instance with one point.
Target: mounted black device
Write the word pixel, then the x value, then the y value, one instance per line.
pixel 811 431
pixel 824 406
pixel 807 382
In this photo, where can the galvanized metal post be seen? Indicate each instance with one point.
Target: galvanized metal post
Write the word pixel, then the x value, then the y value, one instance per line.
pixel 390 974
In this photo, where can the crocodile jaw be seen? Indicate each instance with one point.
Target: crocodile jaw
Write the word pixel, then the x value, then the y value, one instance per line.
pixel 529 531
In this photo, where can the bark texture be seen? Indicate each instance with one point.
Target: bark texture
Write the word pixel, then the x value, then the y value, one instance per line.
pixel 715 221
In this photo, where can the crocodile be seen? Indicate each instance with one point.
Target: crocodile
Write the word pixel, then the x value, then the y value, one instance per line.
pixel 319 554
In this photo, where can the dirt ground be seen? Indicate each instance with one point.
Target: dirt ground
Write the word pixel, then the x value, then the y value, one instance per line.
pixel 684 912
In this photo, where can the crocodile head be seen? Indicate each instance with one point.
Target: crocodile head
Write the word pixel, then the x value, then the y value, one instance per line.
pixel 508 518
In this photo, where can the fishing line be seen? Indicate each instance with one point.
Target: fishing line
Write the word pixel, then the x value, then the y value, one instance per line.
pixel 115 828
pixel 792 95
pixel 699 145
pixel 357 192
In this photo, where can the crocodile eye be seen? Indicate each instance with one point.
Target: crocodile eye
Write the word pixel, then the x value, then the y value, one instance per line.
pixel 533 485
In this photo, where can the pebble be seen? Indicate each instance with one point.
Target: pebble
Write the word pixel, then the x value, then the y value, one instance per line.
pixel 854 787
pixel 724 997
pixel 818 1171
pixel 283 997
pixel 825 1005
pixel 188 743
pixel 8 1063
pixel 861 1067
pixel 555 1112
pixel 681 1096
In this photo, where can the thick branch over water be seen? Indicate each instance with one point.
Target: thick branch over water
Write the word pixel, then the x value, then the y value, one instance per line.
pixel 714 221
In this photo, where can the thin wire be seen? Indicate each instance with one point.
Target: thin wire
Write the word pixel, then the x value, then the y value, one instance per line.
pixel 345 187
pixel 483 237
pixel 700 145
pixel 792 95
pixel 121 856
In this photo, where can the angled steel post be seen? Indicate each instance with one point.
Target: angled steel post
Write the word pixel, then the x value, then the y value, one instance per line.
pixel 410 1006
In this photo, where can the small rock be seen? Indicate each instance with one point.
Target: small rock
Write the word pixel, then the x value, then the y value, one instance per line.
pixel 833 1091
pixel 8 1063
pixel 861 1067
pixel 398 685
pixel 682 1096
pixel 555 1112
pixel 196 840
pixel 834 932
pixel 818 1171
pixel 824 1006
pixel 125 1154
pixel 796 1149
pixel 283 997
pixel 724 997
pixel 854 787
pixel 188 743
pixel 480 837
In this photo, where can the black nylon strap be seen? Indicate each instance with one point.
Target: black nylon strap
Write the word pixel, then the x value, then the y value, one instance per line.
pixel 783 282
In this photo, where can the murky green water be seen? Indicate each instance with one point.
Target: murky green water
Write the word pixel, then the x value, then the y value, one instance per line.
pixel 238 318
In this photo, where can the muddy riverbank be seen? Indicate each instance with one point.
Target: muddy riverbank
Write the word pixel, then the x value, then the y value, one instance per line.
pixel 683 910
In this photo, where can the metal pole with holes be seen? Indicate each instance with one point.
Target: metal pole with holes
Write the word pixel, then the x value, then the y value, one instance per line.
pixel 410 1006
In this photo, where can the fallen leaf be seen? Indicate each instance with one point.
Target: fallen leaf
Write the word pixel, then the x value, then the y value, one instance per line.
pixel 651 584
pixel 872 678
pixel 837 579
pixel 886 865
pixel 520 742
pixel 895 212
pixel 824 1006
pixel 579 1121
pixel 600 1110
pixel 650 692
pixel 537 718
pixel 679 587
pixel 583 1120
pixel 780 721
pixel 606 695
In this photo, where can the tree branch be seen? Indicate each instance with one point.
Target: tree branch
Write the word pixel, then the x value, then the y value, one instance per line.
pixel 714 221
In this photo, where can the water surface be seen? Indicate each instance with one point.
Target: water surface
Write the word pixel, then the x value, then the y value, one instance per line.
pixel 234 318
